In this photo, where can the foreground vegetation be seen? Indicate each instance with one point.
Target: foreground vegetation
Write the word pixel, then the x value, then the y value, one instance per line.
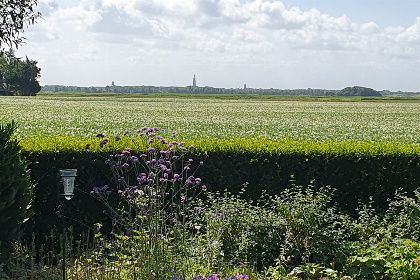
pixel 166 225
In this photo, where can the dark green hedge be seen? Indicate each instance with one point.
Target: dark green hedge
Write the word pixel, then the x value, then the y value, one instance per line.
pixel 355 178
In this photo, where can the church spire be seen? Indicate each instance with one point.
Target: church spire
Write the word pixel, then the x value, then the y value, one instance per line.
pixel 194 82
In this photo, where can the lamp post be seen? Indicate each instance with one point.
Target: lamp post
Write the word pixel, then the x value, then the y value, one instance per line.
pixel 67 177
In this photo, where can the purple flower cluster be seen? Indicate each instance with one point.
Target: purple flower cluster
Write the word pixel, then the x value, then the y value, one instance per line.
pixel 214 277
pixel 101 190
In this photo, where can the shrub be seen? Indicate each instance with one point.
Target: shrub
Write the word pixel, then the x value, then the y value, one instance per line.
pixel 15 188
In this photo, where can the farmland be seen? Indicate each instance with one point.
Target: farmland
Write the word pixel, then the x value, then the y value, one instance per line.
pixel 83 117
pixel 350 153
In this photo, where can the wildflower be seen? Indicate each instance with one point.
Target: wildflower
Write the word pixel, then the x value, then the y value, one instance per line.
pixel 126 132
pixel 132 140
pixel 170 270
pixel 117 138
pixel 182 198
pixel 125 165
pixel 103 142
pixel 87 147
pixel 191 146
pixel 102 268
pixel 100 135
pixel 201 163
pixel 203 187
pixel 134 158
pixel 150 149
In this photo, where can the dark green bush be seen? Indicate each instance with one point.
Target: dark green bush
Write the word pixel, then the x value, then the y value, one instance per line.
pixel 356 178
pixel 15 188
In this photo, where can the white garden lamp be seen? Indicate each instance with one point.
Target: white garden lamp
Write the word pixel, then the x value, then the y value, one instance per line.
pixel 67 177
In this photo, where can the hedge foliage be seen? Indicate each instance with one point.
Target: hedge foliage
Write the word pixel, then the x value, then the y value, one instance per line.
pixel 357 171
pixel 15 188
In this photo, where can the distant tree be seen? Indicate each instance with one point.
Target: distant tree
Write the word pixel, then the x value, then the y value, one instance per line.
pixel 358 91
pixel 17 76
pixel 15 15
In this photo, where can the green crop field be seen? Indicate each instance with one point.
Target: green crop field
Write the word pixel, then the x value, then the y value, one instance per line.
pixel 49 117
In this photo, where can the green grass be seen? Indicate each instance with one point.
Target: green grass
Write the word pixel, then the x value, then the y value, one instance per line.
pixel 69 122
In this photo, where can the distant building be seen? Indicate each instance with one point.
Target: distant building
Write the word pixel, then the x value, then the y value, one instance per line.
pixel 244 86
pixel 194 82
pixel 112 84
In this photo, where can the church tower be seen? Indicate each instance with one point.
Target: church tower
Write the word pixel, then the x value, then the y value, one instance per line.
pixel 194 82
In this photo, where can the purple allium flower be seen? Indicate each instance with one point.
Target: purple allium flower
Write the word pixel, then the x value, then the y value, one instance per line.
pixel 87 147
pixel 203 187
pixel 191 147
pixel 126 132
pixel 201 163
pixel 170 270
pixel 190 160
pixel 197 180
pixel 150 141
pixel 150 149
pixel 143 155
pixel 182 149
pixel 102 268
pixel 117 138
pixel 186 168
pixel 100 135
pixel 173 133
pixel 164 152
pixel 125 165
pixel 132 140
pixel 182 198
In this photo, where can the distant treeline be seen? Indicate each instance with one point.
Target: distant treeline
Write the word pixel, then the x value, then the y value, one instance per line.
pixel 349 91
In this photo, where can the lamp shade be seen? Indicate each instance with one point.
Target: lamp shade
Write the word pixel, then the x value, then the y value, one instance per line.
pixel 68 176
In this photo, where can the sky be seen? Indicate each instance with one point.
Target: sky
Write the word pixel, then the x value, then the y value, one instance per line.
pixel 284 44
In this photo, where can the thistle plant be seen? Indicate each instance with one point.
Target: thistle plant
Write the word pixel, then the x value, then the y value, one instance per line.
pixel 151 223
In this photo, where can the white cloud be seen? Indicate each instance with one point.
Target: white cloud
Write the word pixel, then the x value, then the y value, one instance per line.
pixel 188 34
